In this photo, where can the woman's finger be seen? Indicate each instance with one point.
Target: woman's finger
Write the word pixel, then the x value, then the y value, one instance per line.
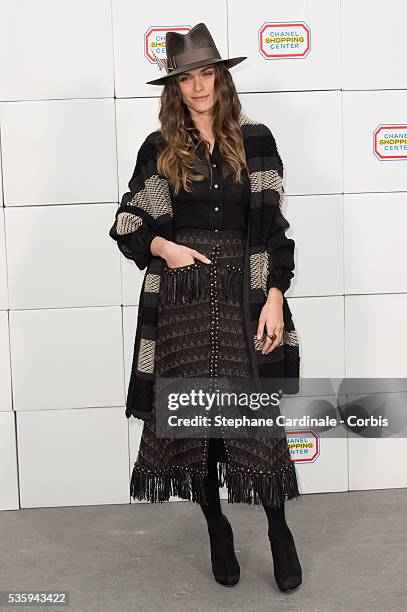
pixel 276 340
pixel 268 343
pixel 200 256
pixel 260 327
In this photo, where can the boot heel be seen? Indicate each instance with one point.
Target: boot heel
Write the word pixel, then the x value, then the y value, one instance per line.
pixel 287 568
pixel 225 566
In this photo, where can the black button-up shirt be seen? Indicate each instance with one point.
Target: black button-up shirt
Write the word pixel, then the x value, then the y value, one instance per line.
pixel 217 203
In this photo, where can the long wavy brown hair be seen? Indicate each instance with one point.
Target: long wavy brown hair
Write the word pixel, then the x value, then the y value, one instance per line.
pixel 182 138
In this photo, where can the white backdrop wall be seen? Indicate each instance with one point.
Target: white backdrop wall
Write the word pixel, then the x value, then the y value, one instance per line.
pixel 74 109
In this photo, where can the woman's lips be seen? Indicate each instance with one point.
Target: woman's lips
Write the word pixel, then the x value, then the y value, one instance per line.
pixel 202 98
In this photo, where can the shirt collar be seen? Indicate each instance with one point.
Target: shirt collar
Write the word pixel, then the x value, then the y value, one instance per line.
pixel 201 150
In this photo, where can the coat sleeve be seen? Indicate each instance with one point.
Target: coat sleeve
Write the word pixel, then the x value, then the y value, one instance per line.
pixel 280 248
pixel 134 225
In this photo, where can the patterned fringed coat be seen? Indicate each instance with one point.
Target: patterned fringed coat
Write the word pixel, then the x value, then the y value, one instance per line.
pixel 146 211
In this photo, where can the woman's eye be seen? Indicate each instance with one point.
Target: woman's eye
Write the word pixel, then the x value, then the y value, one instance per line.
pixel 185 78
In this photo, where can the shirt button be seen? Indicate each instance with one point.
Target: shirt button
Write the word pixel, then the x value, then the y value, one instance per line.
pixel 214 165
pixel 216 186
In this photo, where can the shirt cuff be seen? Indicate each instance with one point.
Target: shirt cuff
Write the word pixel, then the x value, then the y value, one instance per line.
pixel 280 278
pixel 136 246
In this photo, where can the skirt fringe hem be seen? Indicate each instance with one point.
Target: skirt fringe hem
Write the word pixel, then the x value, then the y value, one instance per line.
pixel 243 487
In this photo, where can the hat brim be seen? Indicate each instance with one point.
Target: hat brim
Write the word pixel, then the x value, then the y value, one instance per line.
pixel 229 63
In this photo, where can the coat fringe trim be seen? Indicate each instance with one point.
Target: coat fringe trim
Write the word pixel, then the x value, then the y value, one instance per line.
pixel 193 282
pixel 272 488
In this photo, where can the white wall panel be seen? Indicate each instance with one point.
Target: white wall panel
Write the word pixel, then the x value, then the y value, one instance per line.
pixel 135 119
pixel 72 457
pixel 377 463
pixel 66 358
pixel 274 64
pixel 325 467
pixel 373 52
pixel 363 113
pixel 320 326
pixel 3 265
pixel 375 243
pixel 308 133
pixel 8 462
pixel 329 473
pixel 316 226
pixel 5 372
pixel 59 152
pixel 71 261
pixel 376 336
pixel 54 49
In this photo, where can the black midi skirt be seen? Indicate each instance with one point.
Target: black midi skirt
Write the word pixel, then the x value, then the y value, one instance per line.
pixel 200 334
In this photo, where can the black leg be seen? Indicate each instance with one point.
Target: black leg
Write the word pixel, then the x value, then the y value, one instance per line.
pixel 225 566
pixel 213 510
pixel 287 568
pixel 276 519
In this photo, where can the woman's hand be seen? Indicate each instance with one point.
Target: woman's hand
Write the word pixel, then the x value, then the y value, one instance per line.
pixel 175 255
pixel 271 321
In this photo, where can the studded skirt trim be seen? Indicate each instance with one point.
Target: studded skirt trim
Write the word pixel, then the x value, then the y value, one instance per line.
pixel 200 333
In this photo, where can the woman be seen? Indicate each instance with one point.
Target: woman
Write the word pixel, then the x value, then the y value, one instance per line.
pixel 192 199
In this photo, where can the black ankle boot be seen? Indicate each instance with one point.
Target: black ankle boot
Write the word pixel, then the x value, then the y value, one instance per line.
pixel 225 566
pixel 287 568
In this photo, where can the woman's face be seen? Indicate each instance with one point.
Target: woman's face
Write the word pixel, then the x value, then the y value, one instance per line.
pixel 197 88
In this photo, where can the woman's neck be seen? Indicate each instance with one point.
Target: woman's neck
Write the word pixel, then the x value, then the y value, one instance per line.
pixel 204 123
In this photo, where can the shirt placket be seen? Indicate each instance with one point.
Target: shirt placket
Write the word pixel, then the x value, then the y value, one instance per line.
pixel 216 207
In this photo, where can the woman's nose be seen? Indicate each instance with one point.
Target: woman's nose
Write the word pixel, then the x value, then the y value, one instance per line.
pixel 198 86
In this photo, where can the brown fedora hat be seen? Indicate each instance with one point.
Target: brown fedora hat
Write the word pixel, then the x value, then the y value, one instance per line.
pixel 194 49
